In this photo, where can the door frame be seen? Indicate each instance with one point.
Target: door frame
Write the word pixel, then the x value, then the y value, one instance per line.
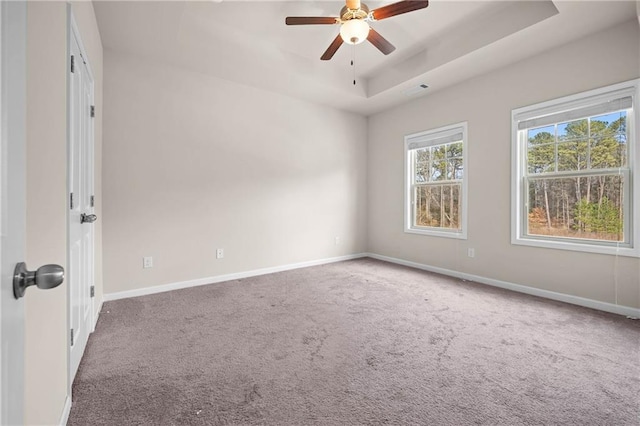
pixel 73 31
pixel 13 27
pixel 2 202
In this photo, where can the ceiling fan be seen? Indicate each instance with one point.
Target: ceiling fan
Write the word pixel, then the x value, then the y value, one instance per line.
pixel 354 23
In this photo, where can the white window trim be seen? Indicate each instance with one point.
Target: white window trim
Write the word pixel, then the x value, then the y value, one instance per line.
pixel 518 237
pixel 426 135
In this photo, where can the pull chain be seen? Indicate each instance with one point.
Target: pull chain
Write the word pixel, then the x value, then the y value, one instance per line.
pixel 353 62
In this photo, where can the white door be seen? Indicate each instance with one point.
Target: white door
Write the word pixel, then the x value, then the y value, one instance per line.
pixel 13 24
pixel 81 229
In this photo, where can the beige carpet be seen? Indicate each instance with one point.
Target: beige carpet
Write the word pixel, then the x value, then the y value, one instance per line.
pixel 357 342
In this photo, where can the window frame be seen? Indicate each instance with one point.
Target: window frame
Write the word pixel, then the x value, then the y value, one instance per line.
pixel 519 176
pixel 425 136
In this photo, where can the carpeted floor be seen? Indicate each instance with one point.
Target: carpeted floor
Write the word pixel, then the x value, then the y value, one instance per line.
pixel 357 342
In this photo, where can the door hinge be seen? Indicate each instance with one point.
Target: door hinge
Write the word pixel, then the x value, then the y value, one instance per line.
pixel 73 63
pixel 93 291
pixel 92 201
pixel 71 201
pixel 72 337
pixel 93 111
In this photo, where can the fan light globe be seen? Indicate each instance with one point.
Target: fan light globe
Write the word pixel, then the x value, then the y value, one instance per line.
pixel 354 31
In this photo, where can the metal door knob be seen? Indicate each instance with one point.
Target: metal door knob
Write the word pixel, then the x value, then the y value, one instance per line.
pixel 46 277
pixel 88 218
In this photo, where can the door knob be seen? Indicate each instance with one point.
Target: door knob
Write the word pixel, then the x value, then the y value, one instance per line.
pixel 46 277
pixel 88 218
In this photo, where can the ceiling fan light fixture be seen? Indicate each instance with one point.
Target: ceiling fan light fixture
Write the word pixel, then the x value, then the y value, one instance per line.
pixel 354 31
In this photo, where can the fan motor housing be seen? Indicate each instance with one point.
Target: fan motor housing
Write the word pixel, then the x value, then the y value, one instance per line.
pixel 347 14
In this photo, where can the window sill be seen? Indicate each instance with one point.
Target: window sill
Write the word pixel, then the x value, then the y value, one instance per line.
pixel 577 247
pixel 435 233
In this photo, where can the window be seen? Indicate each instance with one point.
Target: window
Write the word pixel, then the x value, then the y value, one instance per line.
pixel 435 183
pixel 573 166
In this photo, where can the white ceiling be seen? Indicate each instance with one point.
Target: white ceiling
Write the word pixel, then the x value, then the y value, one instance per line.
pixel 248 42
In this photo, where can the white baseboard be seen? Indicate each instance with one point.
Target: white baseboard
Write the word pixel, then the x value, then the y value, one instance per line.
pixel 220 278
pixel 567 298
pixel 96 314
pixel 65 411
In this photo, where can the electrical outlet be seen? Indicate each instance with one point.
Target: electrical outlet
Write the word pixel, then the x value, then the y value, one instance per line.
pixel 147 262
pixel 337 241
pixel 471 252
pixel 220 254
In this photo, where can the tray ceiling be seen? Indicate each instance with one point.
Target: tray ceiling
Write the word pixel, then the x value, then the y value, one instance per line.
pixel 248 42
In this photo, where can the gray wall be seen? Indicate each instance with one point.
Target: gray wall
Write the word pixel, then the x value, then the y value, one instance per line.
pixel 193 163
pixel 486 102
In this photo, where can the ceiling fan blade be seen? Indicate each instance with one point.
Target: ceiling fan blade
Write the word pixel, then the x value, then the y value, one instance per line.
pixel 398 8
pixel 332 49
pixel 380 42
pixel 311 20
